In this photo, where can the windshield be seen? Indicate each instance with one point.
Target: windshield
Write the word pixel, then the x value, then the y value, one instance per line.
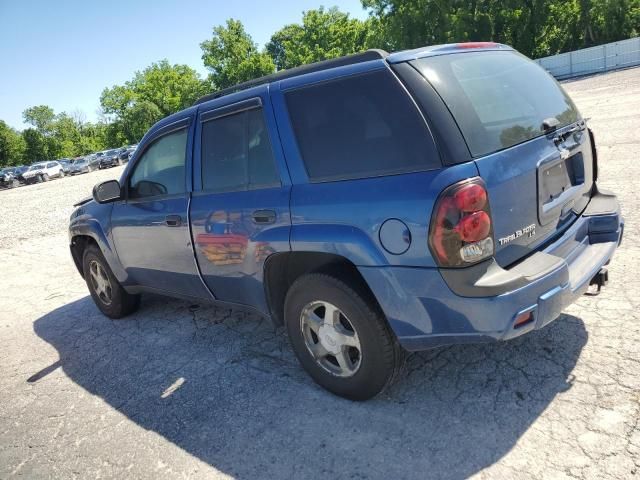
pixel 499 99
pixel 37 166
pixel 80 162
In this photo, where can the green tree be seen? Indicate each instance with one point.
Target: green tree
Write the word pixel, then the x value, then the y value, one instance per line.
pixel 533 27
pixel 41 117
pixel 323 34
pixel 159 90
pixel 232 56
pixel 139 118
pixel 12 146
pixel 169 87
pixel 93 137
pixel 36 147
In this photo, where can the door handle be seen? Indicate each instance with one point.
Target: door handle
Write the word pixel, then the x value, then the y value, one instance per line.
pixel 264 217
pixel 173 220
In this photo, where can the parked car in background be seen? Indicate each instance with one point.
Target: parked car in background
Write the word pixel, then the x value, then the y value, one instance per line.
pixel 66 165
pixel 110 158
pixel 93 161
pixel 43 172
pixel 19 170
pixel 435 196
pixel 80 165
pixel 8 178
pixel 126 152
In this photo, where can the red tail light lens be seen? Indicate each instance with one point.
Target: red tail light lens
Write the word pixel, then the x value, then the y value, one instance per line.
pixel 471 198
pixel 474 227
pixel 461 232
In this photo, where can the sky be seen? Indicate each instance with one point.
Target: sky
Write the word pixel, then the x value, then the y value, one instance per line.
pixel 64 53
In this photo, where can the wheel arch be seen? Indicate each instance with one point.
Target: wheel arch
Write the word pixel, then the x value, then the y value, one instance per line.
pixel 281 270
pixel 91 233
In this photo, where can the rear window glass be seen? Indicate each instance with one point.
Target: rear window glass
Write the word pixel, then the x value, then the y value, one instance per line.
pixel 359 126
pixel 499 99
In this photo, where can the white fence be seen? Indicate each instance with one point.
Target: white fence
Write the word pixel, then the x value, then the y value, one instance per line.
pixel 602 58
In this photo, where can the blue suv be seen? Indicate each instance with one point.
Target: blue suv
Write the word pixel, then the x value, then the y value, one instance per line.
pixel 373 204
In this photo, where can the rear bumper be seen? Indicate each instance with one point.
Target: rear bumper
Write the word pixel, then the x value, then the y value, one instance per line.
pixel 429 307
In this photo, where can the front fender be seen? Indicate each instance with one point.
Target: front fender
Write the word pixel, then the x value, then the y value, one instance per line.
pixel 84 225
pixel 344 240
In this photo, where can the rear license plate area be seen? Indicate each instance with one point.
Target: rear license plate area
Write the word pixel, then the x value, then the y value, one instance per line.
pixel 556 180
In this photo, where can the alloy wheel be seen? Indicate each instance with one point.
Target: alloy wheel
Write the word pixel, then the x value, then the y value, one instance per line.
pixel 331 338
pixel 100 282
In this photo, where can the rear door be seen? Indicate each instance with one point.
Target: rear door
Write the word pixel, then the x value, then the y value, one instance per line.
pixel 528 140
pixel 240 205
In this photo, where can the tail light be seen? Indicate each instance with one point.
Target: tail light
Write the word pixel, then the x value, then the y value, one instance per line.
pixel 461 232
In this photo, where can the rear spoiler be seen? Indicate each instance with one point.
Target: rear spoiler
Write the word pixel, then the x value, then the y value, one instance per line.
pixel 83 201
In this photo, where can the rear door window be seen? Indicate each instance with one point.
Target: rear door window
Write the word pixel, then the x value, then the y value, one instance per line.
pixel 237 154
pixel 359 126
pixel 499 99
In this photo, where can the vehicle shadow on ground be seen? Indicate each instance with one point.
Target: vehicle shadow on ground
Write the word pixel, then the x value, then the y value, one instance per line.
pixel 226 388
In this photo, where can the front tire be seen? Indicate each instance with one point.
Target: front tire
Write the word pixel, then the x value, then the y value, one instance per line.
pixel 45 177
pixel 107 293
pixel 341 337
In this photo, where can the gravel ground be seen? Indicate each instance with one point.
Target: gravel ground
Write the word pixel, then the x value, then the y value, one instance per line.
pixel 179 390
pixel 27 214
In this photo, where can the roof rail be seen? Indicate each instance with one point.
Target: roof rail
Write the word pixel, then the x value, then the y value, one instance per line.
pixel 373 54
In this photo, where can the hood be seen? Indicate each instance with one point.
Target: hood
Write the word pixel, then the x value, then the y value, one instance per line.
pixel 31 173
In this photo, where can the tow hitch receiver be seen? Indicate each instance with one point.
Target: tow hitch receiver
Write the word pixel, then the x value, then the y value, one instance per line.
pixel 600 279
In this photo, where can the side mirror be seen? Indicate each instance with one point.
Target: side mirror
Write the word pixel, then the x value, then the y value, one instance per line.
pixel 106 192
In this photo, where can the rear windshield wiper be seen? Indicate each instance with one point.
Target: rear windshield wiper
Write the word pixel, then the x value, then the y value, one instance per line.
pixel 551 124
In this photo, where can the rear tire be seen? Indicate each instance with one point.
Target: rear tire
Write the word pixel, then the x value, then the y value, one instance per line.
pixel 367 356
pixel 107 293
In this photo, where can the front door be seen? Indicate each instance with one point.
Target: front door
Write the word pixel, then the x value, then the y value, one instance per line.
pixel 151 226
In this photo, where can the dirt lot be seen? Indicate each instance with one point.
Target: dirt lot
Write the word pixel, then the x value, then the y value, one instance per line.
pixel 181 391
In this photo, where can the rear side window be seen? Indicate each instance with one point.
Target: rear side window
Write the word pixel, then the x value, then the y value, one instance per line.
pixel 359 126
pixel 499 99
pixel 237 154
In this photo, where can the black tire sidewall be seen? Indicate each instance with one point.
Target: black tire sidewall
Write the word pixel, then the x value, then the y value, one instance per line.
pixel 119 303
pixel 377 361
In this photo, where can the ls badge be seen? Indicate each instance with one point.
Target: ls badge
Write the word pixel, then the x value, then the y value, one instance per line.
pixel 529 231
